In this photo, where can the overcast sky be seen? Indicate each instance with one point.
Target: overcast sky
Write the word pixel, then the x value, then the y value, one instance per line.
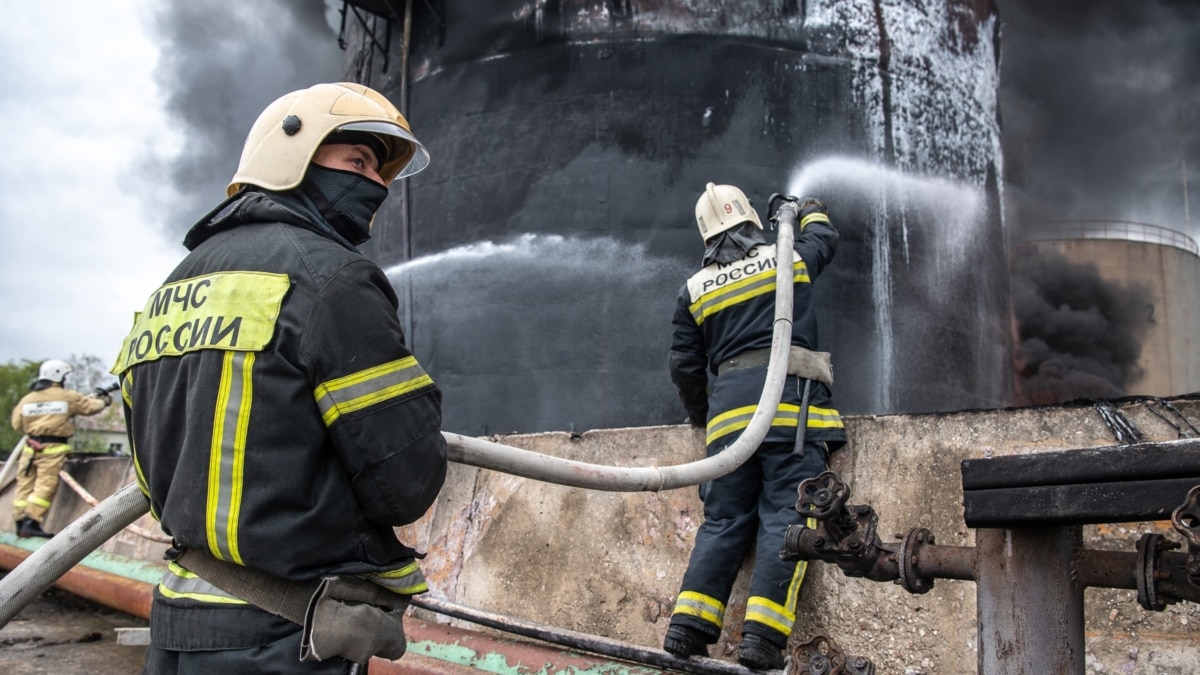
pixel 112 151
pixel 123 120
pixel 79 108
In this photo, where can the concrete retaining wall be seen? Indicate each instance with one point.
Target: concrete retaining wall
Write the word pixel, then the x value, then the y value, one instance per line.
pixel 610 563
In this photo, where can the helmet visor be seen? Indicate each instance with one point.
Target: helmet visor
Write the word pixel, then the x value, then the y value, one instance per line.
pixel 406 157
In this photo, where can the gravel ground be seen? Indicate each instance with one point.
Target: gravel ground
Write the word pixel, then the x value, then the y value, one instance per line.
pixel 63 634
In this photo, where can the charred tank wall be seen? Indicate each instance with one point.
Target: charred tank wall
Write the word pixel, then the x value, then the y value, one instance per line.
pixel 540 254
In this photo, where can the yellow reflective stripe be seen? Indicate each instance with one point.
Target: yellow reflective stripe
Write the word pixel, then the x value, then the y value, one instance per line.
pixel 701 606
pixel 226 310
pixel 813 218
pixel 127 389
pixel 55 448
pixel 38 501
pixel 408 580
pixel 768 613
pixel 369 387
pixel 730 294
pixel 793 592
pixel 786 415
pixel 178 582
pixel 743 290
pixel 227 455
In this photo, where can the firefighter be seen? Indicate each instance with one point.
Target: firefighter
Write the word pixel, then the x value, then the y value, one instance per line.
pixel 720 348
pixel 45 415
pixel 279 425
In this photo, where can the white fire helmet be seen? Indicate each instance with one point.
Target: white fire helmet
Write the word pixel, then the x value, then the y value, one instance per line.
pixel 286 135
pixel 723 207
pixel 54 370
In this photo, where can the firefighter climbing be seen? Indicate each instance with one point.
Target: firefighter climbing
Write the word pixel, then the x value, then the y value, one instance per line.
pixel 723 326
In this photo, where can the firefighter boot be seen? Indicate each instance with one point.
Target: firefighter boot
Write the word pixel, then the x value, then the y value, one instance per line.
pixel 683 642
pixel 28 527
pixel 757 653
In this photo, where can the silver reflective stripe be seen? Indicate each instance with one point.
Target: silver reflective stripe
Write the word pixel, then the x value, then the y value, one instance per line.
pixel 178 582
pixel 369 387
pixel 762 610
pixel 408 580
pixel 701 606
pixel 227 455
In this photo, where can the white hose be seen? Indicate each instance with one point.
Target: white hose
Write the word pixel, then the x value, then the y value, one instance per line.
pixel 58 555
pixel 507 459
pixel 10 465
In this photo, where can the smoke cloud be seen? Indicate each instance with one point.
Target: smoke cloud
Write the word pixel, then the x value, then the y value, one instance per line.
pixel 222 62
pixel 1079 336
pixel 1099 105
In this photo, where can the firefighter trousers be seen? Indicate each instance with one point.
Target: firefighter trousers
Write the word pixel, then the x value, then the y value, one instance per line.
pixel 37 480
pixel 755 503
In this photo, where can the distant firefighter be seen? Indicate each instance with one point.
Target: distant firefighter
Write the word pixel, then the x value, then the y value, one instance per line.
pixel 45 415
pixel 720 349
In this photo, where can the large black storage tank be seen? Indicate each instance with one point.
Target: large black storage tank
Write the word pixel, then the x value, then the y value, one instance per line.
pixel 540 254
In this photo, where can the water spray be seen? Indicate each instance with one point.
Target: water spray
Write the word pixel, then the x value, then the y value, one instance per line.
pixel 42 568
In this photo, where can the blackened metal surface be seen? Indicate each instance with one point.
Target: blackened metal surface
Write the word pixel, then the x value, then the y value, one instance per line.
pixel 1145 461
pixel 1114 502
pixel 571 139
pixel 1030 608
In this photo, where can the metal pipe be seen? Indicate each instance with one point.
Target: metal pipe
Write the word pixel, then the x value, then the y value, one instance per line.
pixel 488 455
pixel 1030 608
pixel 590 643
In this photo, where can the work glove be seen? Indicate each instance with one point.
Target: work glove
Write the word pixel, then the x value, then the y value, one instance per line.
pixel 105 393
pixel 812 205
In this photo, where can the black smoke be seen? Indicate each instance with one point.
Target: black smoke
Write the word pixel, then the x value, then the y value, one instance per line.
pixel 1079 336
pixel 221 63
pixel 1099 104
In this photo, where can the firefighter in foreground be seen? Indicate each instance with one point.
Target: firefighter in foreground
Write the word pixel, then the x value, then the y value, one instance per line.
pixel 723 324
pixel 279 424
pixel 45 415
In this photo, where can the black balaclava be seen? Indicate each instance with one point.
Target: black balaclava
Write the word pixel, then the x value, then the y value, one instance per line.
pixel 346 200
pixel 732 245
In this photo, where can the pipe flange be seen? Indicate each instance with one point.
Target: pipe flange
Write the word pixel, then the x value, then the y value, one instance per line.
pixel 1148 547
pixel 910 580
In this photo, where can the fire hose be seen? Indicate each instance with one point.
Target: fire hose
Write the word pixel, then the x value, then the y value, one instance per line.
pixel 44 566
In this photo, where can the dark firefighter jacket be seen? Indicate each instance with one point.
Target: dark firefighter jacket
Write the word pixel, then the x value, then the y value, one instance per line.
pixel 725 310
pixel 276 417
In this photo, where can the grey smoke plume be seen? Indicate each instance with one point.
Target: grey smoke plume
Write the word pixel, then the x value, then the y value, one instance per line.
pixel 1099 105
pixel 222 62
